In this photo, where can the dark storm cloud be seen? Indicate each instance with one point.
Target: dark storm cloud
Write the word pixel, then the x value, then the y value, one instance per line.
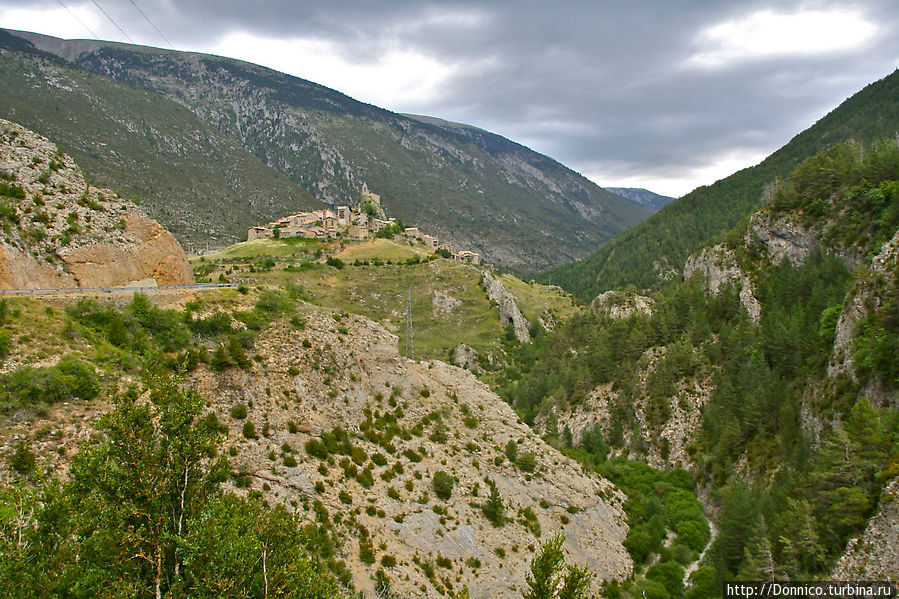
pixel 607 87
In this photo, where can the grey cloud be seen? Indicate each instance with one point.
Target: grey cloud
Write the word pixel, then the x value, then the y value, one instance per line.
pixel 588 83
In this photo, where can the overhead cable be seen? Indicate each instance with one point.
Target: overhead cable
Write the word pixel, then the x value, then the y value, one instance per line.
pixel 80 22
pixel 128 37
pixel 161 34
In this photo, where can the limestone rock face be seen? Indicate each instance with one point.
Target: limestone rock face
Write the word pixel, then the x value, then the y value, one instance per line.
pixel 619 304
pixel 719 268
pixel 855 308
pixel 875 554
pixel 508 309
pixel 783 238
pixel 60 232
pixel 465 356
pixel 153 254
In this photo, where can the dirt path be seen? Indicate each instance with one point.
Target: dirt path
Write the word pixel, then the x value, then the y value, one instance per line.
pixel 692 567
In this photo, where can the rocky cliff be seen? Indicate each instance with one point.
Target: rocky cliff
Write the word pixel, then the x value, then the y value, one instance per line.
pixel 508 309
pixel 622 304
pixel 719 268
pixel 61 232
pixel 875 554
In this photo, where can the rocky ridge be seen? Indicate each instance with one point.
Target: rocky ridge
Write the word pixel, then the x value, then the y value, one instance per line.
pixel 617 304
pixel 61 232
pixel 508 309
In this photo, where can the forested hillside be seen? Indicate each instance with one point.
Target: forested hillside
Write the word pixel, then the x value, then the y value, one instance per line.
pixel 655 250
pixel 786 416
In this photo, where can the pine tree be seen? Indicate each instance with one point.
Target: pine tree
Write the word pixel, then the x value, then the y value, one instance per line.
pixel 552 578
pixel 494 508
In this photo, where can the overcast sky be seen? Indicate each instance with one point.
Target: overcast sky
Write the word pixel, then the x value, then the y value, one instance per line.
pixel 662 94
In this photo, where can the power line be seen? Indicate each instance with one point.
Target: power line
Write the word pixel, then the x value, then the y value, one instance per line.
pixel 161 34
pixel 74 16
pixel 128 37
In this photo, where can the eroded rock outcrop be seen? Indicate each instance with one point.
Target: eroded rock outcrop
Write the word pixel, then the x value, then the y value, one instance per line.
pixel 60 232
pixel 855 308
pixel 875 554
pixel 621 304
pixel 465 356
pixel 508 309
pixel 719 267
pixel 783 237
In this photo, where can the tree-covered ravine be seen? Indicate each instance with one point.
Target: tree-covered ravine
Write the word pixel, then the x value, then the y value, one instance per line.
pixel 789 458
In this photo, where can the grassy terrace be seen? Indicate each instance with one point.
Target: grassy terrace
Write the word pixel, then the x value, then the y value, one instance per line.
pixel 374 281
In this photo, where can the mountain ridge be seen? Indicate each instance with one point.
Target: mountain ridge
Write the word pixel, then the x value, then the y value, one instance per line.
pixel 471 187
pixel 642 196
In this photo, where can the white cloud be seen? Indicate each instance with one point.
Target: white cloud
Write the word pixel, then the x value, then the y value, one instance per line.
pixel 57 21
pixel 769 34
pixel 674 182
pixel 397 78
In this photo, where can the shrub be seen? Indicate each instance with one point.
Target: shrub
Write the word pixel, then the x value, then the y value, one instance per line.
pixel 443 485
pixel 527 461
pixel 335 262
pixel 512 450
pixel 239 411
pixel 366 551
pixel 69 378
pixel 290 461
pixel 23 459
pixel 316 449
pixel 365 478
pixel 249 430
pixel 412 455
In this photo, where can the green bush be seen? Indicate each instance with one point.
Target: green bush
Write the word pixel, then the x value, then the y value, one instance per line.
pixel 670 574
pixel 70 378
pixel 23 459
pixel 249 430
pixel 527 461
pixel 239 411
pixel 316 449
pixel 443 485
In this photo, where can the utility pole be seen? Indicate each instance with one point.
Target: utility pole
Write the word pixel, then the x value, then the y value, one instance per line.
pixel 410 333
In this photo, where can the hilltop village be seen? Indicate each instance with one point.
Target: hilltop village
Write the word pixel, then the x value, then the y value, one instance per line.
pixel 363 221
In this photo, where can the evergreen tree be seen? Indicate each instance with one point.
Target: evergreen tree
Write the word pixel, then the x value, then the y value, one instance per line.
pixel 552 578
pixel 494 508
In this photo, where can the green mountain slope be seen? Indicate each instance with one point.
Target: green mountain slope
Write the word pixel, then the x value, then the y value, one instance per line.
pixel 522 210
pixel 769 373
pixel 649 253
pixel 199 183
